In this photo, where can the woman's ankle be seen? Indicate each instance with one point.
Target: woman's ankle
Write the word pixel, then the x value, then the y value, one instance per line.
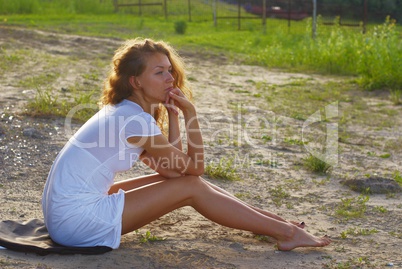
pixel 288 232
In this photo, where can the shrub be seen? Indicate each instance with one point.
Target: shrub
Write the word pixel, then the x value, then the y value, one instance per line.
pixel 180 27
pixel 225 169
pixel 315 164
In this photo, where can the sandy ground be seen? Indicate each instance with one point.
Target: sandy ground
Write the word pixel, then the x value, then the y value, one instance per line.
pixel 236 123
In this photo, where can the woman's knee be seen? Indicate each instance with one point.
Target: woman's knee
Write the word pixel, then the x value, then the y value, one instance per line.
pixel 194 179
pixel 196 188
pixel 195 183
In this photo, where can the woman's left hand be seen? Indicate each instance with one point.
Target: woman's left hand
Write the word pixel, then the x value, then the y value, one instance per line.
pixel 180 101
pixel 170 103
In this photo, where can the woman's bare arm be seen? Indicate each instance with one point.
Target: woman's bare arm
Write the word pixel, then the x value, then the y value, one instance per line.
pixel 165 155
pixel 195 146
pixel 164 158
pixel 174 124
pixel 155 165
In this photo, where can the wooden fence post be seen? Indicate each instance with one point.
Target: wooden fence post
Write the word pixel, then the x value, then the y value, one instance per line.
pixel 189 10
pixel 264 12
pixel 238 14
pixel 314 28
pixel 214 13
pixel 165 9
pixel 364 16
pixel 116 5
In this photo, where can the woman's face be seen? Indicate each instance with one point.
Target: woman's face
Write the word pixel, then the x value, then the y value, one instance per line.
pixel 156 81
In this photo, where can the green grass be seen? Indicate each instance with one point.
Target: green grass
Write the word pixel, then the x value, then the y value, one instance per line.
pixel 396 234
pixel 398 177
pixel 380 209
pixel 352 207
pixel 225 169
pixel 293 141
pixel 396 97
pixel 351 263
pixel 279 196
pixel 81 105
pixel 10 58
pixel 315 164
pixel 296 94
pixel 149 237
pixel 374 58
pixel 357 231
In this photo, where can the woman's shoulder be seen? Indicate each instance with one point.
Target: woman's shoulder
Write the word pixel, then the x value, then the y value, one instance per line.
pixel 125 108
pixel 130 105
pixel 131 111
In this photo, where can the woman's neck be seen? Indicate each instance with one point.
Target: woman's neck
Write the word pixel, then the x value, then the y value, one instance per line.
pixel 146 106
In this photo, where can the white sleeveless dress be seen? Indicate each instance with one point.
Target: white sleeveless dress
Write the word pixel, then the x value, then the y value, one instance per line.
pixel 77 208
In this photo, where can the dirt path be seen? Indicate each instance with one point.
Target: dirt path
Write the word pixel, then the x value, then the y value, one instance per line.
pixel 240 125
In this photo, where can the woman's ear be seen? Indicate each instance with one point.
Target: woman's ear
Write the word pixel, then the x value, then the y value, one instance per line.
pixel 134 82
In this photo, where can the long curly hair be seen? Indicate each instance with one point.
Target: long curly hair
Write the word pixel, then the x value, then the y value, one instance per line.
pixel 130 60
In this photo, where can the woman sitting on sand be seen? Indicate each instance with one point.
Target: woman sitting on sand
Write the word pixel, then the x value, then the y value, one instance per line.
pixel 146 87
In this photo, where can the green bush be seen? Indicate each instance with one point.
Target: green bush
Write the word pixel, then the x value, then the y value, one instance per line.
pixel 315 164
pixel 180 27
pixel 225 169
pixel 375 57
pixel 19 6
pixel 380 58
pixel 56 7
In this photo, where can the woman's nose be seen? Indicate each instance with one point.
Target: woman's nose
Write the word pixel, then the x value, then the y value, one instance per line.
pixel 169 77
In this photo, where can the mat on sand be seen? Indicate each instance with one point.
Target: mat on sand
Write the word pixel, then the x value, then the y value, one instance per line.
pixel 32 236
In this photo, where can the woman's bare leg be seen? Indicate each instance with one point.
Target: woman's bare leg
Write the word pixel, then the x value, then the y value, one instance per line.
pixel 147 203
pixel 138 182
pixel 264 212
pixel 134 183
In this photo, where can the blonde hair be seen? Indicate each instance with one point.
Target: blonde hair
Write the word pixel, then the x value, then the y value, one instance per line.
pixel 130 60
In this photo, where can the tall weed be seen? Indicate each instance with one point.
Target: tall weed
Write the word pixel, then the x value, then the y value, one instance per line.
pixel 47 104
pixel 332 51
pixel 56 7
pixel 380 58
pixel 375 57
pixel 19 6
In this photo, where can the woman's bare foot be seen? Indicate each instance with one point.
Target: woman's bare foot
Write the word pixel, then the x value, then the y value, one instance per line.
pixel 301 238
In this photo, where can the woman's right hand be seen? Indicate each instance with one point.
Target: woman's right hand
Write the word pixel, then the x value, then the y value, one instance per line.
pixel 180 101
